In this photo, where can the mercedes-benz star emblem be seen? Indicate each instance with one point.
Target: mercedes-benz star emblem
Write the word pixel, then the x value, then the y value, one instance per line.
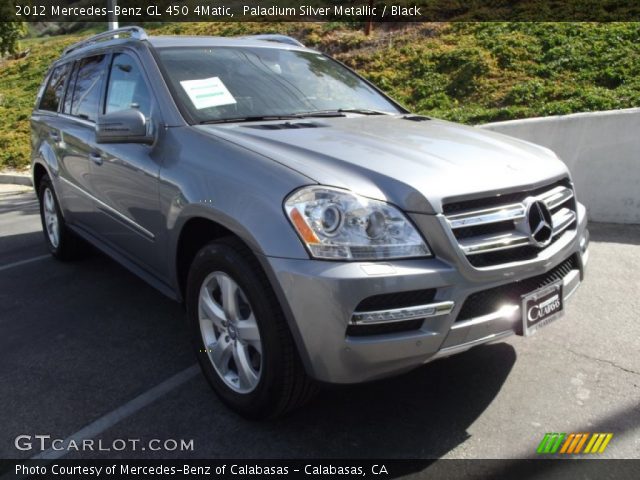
pixel 540 223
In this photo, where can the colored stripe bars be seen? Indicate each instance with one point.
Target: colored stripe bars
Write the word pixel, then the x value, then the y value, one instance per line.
pixel 573 443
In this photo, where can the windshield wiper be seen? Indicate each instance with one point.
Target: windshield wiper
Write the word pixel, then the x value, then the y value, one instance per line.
pixel 363 111
pixel 340 112
pixel 252 118
pixel 293 116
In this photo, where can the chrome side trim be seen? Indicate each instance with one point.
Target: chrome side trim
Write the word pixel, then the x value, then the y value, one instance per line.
pixel 79 120
pixel 121 216
pixel 402 314
pixel 490 215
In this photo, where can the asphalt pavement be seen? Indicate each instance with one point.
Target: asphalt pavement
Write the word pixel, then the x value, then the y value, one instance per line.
pixel 89 350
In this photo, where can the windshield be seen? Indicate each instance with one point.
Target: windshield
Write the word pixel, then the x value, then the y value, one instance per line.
pixel 226 83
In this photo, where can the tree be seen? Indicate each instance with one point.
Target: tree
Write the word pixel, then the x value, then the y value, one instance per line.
pixel 10 32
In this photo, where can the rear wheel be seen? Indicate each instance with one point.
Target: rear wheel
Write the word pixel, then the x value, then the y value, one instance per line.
pixel 241 338
pixel 61 242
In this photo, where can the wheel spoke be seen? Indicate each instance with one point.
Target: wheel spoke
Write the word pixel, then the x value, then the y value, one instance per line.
pixel 48 201
pixel 208 333
pixel 220 354
pixel 248 330
pixel 248 377
pixel 229 297
pixel 211 309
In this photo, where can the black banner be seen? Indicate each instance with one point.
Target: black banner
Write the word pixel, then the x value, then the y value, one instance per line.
pixel 307 469
pixel 136 11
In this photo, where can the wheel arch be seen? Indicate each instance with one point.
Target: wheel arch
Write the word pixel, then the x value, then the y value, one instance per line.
pixel 199 229
pixel 39 171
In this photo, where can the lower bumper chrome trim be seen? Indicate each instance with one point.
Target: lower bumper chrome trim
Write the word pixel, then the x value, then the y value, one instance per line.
pixel 402 314
pixel 447 352
pixel 511 313
pixel 508 311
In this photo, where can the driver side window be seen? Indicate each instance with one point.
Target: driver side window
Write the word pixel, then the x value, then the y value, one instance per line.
pixel 127 87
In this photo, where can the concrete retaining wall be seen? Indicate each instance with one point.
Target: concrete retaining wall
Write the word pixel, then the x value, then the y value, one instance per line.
pixel 15 179
pixel 602 151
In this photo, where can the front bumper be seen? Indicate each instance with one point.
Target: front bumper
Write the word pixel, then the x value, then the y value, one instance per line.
pixel 320 297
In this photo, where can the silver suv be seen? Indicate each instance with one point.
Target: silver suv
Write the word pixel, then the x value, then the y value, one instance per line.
pixel 315 229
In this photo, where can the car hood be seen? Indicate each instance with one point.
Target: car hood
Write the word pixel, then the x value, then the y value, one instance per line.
pixel 416 165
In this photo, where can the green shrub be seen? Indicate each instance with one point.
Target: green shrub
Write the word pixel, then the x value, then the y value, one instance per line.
pixel 465 72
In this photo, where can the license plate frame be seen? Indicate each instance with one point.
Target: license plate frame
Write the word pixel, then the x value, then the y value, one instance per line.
pixel 541 307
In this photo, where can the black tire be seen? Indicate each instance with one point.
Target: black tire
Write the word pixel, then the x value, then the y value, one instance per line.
pixel 283 383
pixel 68 245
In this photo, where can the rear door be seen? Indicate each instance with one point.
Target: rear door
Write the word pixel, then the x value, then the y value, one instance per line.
pixel 56 140
pixel 124 176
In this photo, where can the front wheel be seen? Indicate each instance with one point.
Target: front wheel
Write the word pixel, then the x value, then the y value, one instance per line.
pixel 241 338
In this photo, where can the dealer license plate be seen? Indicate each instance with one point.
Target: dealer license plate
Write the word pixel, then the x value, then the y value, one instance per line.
pixel 541 307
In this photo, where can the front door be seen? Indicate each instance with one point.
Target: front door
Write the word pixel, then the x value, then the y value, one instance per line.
pixel 124 176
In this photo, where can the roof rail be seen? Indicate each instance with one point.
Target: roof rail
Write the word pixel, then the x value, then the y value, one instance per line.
pixel 136 33
pixel 274 37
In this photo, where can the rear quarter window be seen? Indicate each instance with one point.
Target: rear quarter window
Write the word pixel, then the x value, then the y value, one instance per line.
pixel 54 90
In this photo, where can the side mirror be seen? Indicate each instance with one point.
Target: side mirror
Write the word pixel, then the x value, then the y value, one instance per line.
pixel 124 126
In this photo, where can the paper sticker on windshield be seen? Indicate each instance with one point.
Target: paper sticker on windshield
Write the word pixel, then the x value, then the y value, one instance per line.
pixel 207 92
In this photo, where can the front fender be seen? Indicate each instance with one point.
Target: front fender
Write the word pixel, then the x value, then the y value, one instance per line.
pixel 238 189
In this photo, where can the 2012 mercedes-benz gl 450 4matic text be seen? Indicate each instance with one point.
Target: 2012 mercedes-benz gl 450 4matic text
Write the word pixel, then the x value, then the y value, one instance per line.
pixel 314 228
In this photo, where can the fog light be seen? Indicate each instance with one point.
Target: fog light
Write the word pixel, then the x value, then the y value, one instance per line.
pixel 508 311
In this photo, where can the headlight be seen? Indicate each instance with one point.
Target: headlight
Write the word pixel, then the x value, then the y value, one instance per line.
pixel 337 224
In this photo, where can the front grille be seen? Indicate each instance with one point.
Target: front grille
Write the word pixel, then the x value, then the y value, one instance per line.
pixel 489 301
pixel 384 328
pixel 505 256
pixel 390 301
pixel 500 199
pixel 493 230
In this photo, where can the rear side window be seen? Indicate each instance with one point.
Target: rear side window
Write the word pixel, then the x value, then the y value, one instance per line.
pixel 55 89
pixel 127 87
pixel 85 99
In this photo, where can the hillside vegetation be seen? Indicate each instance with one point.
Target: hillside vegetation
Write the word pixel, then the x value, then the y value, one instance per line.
pixel 466 72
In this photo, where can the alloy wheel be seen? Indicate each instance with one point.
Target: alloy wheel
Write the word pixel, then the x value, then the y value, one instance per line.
pixel 230 332
pixel 51 218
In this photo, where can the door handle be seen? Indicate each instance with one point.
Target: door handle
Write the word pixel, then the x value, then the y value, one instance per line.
pixel 96 158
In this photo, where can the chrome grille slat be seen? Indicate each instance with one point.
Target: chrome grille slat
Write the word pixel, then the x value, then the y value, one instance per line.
pixel 562 219
pixel 490 215
pixel 496 228
pixel 556 197
pixel 492 243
